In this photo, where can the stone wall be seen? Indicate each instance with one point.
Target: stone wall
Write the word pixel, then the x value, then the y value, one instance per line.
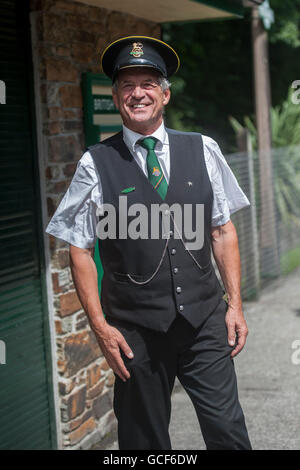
pixel 70 38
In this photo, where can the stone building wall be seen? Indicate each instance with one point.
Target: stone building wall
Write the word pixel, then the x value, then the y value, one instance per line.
pixel 69 39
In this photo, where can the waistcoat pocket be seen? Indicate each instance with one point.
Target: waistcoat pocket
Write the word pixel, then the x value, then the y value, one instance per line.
pixel 124 279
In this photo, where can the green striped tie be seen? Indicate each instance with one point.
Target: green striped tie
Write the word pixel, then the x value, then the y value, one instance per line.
pixel 155 173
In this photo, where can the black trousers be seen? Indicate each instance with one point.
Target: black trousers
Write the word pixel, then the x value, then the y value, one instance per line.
pixel 200 358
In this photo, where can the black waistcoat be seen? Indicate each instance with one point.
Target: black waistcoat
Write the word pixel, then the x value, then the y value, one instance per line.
pixel 179 285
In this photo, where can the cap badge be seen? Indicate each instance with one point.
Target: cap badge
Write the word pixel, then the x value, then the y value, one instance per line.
pixel 156 171
pixel 137 49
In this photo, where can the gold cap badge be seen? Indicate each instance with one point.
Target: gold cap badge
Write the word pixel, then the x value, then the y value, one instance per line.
pixel 156 171
pixel 137 49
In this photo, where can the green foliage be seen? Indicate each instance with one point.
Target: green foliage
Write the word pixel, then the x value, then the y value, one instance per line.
pixel 287 19
pixel 290 260
pixel 211 83
pixel 215 79
pixel 285 123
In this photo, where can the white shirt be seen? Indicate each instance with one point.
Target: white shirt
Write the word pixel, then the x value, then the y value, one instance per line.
pixel 75 219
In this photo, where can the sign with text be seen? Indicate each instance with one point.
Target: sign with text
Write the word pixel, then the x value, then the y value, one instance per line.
pixel 101 118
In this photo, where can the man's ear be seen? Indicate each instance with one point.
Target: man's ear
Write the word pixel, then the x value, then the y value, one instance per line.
pixel 167 96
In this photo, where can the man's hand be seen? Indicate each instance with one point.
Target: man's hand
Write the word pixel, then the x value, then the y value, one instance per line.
pixel 111 340
pixel 236 326
pixel 226 253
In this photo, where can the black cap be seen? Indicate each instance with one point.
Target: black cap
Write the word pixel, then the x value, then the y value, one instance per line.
pixel 139 51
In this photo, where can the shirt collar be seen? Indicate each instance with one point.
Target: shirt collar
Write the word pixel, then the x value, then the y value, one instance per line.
pixel 130 137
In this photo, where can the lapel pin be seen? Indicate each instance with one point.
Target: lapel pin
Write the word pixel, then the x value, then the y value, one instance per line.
pixel 128 190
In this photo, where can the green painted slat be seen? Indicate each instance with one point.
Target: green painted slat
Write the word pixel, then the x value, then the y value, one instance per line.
pixel 34 367
pixel 23 232
pixel 10 331
pixel 17 282
pixel 23 438
pixel 25 416
pixel 37 400
pixel 36 387
pixel 34 421
pixel 14 225
pixel 21 363
pixel 9 170
pixel 8 122
pixel 19 308
pixel 15 148
pixel 14 127
pixel 8 166
pixel 9 303
pixel 25 249
pixel 25 252
pixel 23 290
pixel 6 271
pixel 21 293
pixel 33 343
pixel 26 231
pixel 40 436
pixel 29 319
pixel 20 201
pixel 8 112
pixel 8 327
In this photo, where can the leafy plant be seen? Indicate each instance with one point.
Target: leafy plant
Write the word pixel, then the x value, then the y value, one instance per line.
pixel 285 126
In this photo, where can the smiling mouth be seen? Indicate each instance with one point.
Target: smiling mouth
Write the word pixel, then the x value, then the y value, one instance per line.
pixel 139 106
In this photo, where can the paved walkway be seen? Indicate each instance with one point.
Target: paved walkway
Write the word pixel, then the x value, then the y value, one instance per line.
pixel 268 380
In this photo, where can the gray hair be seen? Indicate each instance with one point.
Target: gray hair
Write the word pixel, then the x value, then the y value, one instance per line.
pixel 163 83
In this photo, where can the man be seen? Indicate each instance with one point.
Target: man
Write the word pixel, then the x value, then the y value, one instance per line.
pixel 165 315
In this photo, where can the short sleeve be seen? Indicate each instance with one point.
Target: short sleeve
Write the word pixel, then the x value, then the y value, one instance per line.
pixel 75 218
pixel 228 196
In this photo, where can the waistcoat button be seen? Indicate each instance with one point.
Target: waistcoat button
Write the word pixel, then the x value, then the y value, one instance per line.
pixel 181 307
pixel 178 290
pixel 173 252
pixel 175 270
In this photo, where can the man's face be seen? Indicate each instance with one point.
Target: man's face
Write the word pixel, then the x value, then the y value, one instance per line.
pixel 140 99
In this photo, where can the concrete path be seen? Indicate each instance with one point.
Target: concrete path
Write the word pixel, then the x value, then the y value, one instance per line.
pixel 267 371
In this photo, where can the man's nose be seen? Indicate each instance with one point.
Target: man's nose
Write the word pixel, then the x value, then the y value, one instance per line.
pixel 138 93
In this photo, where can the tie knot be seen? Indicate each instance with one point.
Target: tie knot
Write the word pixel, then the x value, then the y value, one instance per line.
pixel 148 143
